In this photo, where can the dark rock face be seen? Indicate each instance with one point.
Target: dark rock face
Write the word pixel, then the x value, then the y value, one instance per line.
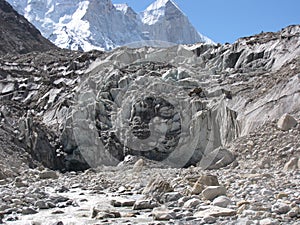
pixel 17 35
pixel 22 98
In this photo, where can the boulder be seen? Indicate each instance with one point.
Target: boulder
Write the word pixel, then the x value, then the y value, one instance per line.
pixel 212 192
pixel 48 174
pixel 294 212
pixel 103 214
pixel 145 204
pixel 203 181
pixel 157 187
pixel 281 208
pixel 171 196
pixel 28 211
pixel 163 213
pixel 218 158
pixel 122 202
pixel 222 201
pixel 208 180
pixel 41 204
pixel 268 221
pixel 138 165
pixel 286 122
pixel 192 203
pixel 215 211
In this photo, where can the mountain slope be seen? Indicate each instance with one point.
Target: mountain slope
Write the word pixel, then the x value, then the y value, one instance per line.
pixel 17 35
pixel 94 24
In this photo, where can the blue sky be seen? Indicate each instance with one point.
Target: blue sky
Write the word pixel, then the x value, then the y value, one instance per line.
pixel 226 20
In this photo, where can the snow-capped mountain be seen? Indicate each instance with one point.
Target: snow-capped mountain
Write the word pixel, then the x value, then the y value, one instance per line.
pixel 99 24
pixel 165 21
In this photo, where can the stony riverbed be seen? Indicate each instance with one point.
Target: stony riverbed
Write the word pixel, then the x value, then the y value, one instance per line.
pixel 142 193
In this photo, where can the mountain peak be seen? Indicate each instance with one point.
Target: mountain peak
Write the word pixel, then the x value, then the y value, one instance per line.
pixel 159 4
pixel 156 10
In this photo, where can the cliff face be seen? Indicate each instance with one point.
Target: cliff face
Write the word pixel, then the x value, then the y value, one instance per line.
pixel 17 34
pixel 177 105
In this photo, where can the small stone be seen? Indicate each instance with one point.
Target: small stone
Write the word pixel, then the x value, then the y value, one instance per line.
pixel 171 197
pixel 197 188
pixel 265 163
pixel 62 189
pixel 59 198
pixel 208 180
pixel 41 204
pixel 268 221
pixel 131 215
pixel 215 211
pixel 250 144
pixel 20 184
pixel 122 202
pixel 163 213
pixel 48 174
pixel 122 189
pixel 292 164
pixel 3 182
pixel 219 157
pixel 212 192
pixel 10 210
pixel 1 217
pixel 241 209
pixel 145 204
pixel 50 204
pixel 58 223
pixel 266 192
pixel 282 195
pixel 12 218
pixel 281 208
pixel 182 200
pixel 210 219
pixel 245 221
pixel 286 122
pixel 28 211
pixel 294 212
pixel 138 166
pixel 222 201
pixel 192 203
pixel 57 212
pixel 243 202
pixel 2 175
pixel 103 214
pixel 248 213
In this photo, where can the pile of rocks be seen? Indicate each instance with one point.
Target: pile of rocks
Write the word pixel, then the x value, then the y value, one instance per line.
pixel 152 195
pixel 274 145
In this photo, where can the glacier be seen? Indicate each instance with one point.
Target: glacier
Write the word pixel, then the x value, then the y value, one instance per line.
pixel 85 25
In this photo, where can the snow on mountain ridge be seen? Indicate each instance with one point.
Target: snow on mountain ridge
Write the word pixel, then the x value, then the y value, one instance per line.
pixel 156 11
pixel 121 7
pixel 160 4
pixel 98 24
